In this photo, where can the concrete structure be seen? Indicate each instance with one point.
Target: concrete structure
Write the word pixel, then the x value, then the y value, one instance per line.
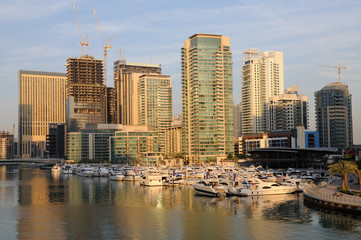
pixel 173 140
pixel 134 144
pixel 126 79
pixel 56 140
pixel 155 104
pixel 262 75
pixel 6 145
pixel 207 97
pixel 85 93
pixel 334 116
pixel 41 102
pixel 287 111
pixel 111 102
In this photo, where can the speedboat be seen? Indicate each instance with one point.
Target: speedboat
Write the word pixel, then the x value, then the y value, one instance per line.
pixel 267 188
pixel 210 188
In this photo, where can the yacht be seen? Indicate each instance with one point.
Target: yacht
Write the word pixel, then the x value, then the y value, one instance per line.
pixel 267 188
pixel 86 172
pixel 210 188
pixel 151 180
pixel 56 168
pixel 116 176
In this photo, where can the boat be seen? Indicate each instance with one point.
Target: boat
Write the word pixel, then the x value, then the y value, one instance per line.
pixel 209 187
pixel 66 169
pixel 116 176
pixel 267 188
pixel 101 172
pixel 56 168
pixel 151 180
pixel 86 172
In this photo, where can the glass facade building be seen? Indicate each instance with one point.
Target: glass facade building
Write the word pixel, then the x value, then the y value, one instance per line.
pixel 334 116
pixel 207 97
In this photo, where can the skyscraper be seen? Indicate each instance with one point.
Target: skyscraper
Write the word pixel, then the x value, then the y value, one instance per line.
pixel 85 92
pixel 155 104
pixel 262 78
pixel 126 75
pixel 287 111
pixel 41 102
pixel 334 116
pixel 207 97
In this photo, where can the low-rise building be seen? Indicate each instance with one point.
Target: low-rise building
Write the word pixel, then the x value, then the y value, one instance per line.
pixel 6 145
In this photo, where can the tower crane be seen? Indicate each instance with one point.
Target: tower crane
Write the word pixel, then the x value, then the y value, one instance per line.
pixel 83 42
pixel 339 70
pixel 106 47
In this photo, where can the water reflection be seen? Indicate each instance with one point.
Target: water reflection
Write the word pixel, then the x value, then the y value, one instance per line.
pixel 42 205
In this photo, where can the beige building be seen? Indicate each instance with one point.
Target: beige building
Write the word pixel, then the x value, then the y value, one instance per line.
pixel 262 75
pixel 173 140
pixel 155 104
pixel 41 101
pixel 126 75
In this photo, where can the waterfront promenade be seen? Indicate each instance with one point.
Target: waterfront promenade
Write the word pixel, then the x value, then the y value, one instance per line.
pixel 328 196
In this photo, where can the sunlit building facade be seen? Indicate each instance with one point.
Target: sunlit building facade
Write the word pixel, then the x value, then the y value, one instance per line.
pixel 207 97
pixel 155 104
pixel 126 79
pixel 41 102
pixel 6 145
pixel 262 75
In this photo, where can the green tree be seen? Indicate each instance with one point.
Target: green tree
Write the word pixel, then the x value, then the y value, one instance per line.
pixel 342 168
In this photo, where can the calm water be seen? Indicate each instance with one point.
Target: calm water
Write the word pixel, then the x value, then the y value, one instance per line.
pixel 36 204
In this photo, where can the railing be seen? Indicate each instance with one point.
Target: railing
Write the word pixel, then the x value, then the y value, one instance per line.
pixel 331 196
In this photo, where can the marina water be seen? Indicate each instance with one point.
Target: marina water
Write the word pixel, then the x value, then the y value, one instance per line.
pixel 38 204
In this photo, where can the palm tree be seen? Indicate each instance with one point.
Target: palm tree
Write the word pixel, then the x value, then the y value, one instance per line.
pixel 357 172
pixel 342 169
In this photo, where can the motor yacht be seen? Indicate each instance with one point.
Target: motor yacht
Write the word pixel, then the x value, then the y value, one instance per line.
pixel 267 188
pixel 210 188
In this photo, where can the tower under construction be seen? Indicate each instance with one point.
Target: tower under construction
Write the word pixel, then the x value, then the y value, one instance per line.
pixel 85 92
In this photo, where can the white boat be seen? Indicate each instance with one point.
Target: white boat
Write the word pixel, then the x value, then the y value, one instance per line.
pixel 267 188
pixel 56 168
pixel 86 172
pixel 129 175
pixel 66 169
pixel 101 172
pixel 209 188
pixel 116 176
pixel 151 180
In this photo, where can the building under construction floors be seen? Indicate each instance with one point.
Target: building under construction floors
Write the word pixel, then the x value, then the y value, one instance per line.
pixel 85 93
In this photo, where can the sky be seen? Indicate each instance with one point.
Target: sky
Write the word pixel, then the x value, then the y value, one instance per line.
pixel 41 34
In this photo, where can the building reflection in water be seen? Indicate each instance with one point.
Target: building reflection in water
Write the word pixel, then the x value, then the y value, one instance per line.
pixel 61 206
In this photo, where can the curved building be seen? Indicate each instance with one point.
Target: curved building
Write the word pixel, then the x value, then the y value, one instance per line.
pixel 334 116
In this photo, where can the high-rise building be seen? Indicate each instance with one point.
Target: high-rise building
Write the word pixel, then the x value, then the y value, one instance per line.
pixel 237 116
pixel 41 102
pixel 155 104
pixel 287 111
pixel 126 78
pixel 111 98
pixel 6 145
pixel 262 78
pixel 85 93
pixel 334 116
pixel 207 97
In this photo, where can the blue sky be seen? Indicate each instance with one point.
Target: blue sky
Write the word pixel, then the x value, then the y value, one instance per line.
pixel 42 34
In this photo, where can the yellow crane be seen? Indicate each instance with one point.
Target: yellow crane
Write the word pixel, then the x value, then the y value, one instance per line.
pixel 83 42
pixel 339 70
pixel 106 47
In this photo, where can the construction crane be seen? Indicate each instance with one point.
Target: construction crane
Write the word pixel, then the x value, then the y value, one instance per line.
pixel 117 78
pixel 339 70
pixel 106 47
pixel 83 42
